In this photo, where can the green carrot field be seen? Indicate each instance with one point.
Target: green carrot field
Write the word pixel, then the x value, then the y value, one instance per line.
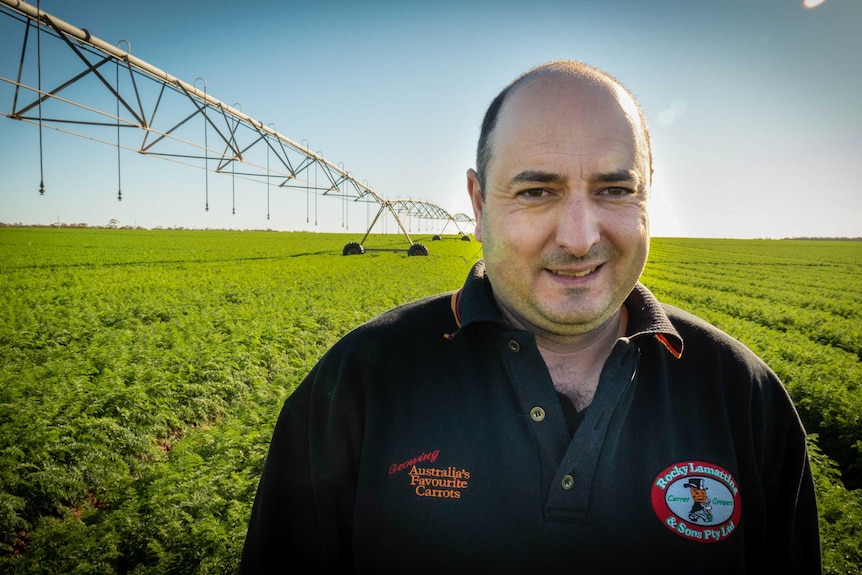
pixel 142 372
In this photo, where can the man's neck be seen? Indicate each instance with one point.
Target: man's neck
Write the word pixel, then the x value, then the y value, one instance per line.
pixel 575 364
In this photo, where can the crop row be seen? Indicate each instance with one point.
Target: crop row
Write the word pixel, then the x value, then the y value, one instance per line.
pixel 824 321
pixel 802 286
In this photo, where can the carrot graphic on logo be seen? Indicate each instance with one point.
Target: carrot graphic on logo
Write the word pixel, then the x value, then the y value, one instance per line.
pixel 701 509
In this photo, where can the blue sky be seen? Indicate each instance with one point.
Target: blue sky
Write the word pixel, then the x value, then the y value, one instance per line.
pixel 754 106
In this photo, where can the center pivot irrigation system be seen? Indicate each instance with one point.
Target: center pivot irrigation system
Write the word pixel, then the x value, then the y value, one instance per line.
pixel 110 93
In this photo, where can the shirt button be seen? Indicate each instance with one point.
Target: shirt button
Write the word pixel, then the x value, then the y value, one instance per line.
pixel 514 346
pixel 537 413
pixel 568 482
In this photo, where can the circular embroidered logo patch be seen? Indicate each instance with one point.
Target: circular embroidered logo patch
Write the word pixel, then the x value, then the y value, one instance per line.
pixel 697 500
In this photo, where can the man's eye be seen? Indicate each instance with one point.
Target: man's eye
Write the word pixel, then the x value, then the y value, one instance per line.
pixel 618 192
pixel 533 193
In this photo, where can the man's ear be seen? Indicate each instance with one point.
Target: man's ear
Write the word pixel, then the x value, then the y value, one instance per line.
pixel 474 188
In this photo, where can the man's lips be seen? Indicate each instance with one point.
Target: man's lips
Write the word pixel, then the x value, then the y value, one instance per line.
pixel 574 273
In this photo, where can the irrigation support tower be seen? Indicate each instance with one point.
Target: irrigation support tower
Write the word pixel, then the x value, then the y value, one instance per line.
pixel 125 94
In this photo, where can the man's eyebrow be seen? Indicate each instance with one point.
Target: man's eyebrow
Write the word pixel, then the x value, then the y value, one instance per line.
pixel 618 176
pixel 536 177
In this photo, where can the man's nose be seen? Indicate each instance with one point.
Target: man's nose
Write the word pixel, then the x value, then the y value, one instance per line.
pixel 578 224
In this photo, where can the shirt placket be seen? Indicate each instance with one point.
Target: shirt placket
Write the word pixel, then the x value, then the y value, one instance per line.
pixel 568 465
pixel 538 402
pixel 570 490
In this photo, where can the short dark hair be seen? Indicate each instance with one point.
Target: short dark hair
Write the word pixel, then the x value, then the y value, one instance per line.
pixel 570 67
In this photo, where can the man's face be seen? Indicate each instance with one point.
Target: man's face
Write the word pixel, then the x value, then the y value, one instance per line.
pixel 564 223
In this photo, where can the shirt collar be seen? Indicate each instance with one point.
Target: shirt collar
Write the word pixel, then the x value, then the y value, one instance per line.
pixel 647 317
pixel 474 303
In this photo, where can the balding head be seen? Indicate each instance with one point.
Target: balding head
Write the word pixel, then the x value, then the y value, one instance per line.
pixel 565 68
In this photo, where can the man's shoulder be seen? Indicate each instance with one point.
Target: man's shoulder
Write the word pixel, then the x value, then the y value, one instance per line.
pixel 429 316
pixel 423 311
pixel 403 337
pixel 704 340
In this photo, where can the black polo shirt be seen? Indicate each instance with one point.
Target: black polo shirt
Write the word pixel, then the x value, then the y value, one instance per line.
pixel 431 440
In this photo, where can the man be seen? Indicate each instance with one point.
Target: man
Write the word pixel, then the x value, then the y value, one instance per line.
pixel 542 418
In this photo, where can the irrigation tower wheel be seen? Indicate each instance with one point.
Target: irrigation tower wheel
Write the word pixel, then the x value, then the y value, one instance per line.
pixel 417 250
pixel 353 249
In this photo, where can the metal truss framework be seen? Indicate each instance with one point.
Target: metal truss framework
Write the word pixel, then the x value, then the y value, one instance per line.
pixel 125 94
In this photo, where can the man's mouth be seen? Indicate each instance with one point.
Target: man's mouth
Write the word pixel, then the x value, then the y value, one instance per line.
pixel 573 274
